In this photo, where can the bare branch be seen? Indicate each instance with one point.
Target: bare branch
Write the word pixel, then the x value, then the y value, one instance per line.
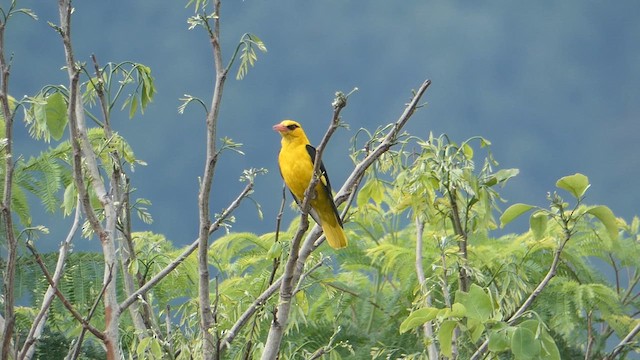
pixel 623 343
pixel 185 254
pixel 428 326
pixel 61 296
pixel 40 319
pixel 5 204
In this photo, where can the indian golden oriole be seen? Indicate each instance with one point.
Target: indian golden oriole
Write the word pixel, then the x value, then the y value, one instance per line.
pixel 296 167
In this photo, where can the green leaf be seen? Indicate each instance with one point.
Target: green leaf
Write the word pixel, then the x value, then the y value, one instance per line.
pixel 275 251
pixel 56 115
pixel 499 341
pixel 372 190
pixel 418 317
pixel 458 310
pixel 501 176
pixel 538 224
pixel 608 219
pixel 133 106
pixel 549 348
pixel 576 184
pixel 524 344
pixel 40 115
pixel 476 329
pixel 445 334
pixel 69 199
pixel 467 150
pixel 513 212
pixel 477 303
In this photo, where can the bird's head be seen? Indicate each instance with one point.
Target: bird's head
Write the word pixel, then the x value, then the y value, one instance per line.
pixel 290 129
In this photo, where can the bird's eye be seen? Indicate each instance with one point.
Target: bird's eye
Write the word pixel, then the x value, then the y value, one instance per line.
pixel 292 127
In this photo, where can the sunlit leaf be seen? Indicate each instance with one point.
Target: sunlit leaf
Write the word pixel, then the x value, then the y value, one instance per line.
pixel 445 335
pixel 513 212
pixel 576 184
pixel 56 115
pixel 499 341
pixel 538 224
pixel 524 344
pixel 608 219
pixel 418 317
pixel 477 303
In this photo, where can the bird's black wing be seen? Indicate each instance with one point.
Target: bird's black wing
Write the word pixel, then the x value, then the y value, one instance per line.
pixel 324 178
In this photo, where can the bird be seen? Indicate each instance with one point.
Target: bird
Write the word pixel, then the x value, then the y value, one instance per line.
pixel 296 162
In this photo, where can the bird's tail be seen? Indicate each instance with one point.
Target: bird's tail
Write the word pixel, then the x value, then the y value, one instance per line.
pixel 333 231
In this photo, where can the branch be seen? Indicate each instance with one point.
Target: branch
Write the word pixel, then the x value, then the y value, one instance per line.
pixel 384 146
pixel 97 333
pixel 78 345
pixel 5 204
pixel 38 323
pixel 257 304
pixel 623 343
pixel 428 326
pixel 185 254
pixel 532 297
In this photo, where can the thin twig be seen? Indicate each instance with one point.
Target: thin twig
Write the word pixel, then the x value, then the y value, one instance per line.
pixel 40 319
pixel 92 311
pixel 537 291
pixel 97 333
pixel 185 254
pixel 428 326
pixel 626 341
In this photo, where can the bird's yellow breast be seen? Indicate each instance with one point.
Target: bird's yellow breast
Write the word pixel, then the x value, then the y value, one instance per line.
pixel 296 168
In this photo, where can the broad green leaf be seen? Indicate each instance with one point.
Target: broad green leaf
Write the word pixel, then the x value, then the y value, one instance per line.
pixel 499 341
pixel 524 344
pixel 133 106
pixel 476 329
pixel 143 345
pixel 56 115
pixel 372 190
pixel 576 184
pixel 549 348
pixel 477 303
pixel 275 251
pixel 134 267
pixel 608 219
pixel 445 335
pixel 467 150
pixel 40 113
pixel 418 318
pixel 69 199
pixel 484 142
pixel 156 349
pixel 458 310
pixel 538 224
pixel 501 176
pixel 302 301
pixel 513 212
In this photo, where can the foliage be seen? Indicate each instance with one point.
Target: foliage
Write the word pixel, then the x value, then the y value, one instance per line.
pixel 427 270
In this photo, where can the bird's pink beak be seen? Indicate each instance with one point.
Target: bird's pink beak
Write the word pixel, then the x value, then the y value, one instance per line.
pixel 280 128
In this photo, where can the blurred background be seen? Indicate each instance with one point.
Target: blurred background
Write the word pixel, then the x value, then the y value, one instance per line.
pixel 553 85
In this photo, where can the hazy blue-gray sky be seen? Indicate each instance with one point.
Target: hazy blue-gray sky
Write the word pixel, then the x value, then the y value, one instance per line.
pixel 554 85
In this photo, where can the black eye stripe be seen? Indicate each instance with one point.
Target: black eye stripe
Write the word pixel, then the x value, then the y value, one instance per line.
pixel 292 126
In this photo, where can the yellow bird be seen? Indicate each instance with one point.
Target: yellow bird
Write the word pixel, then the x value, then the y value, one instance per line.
pixel 296 167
